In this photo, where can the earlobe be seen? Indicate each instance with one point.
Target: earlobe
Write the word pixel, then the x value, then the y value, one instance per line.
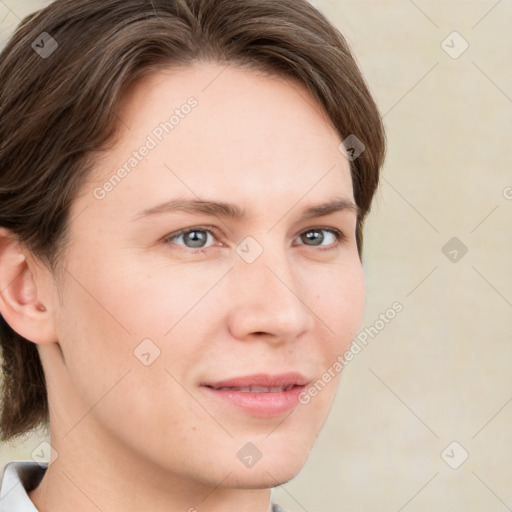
pixel 22 304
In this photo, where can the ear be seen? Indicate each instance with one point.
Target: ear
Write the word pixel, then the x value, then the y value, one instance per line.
pixel 25 292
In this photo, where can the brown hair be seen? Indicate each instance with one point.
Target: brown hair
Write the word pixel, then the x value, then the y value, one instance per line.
pixel 57 108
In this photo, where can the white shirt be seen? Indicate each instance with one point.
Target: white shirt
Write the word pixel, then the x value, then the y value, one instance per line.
pixel 21 476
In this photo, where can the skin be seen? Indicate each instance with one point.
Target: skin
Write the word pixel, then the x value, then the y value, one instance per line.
pixel 149 434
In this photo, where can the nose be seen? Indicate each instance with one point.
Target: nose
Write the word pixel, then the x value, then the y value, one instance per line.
pixel 268 299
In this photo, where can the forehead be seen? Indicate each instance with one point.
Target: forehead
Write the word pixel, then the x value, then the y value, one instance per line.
pixel 248 135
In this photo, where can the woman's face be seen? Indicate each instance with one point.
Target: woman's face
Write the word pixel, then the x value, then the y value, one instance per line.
pixel 180 348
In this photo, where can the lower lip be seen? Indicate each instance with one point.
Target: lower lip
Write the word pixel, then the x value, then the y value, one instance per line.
pixel 263 405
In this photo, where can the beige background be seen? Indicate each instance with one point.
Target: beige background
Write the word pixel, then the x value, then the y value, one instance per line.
pixel 441 370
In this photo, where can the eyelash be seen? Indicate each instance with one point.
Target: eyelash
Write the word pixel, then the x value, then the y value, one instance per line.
pixel 340 237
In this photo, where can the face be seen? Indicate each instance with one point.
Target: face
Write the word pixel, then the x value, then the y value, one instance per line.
pixel 188 333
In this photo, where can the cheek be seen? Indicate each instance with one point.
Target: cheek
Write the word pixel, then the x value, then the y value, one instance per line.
pixel 95 328
pixel 95 344
pixel 110 383
pixel 152 300
pixel 340 305
pixel 115 319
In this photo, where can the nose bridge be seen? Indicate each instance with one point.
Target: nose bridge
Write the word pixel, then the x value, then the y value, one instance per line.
pixel 268 291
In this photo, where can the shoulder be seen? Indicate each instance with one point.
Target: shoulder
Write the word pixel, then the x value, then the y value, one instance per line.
pixel 19 478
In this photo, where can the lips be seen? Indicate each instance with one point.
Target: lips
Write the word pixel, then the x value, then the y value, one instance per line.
pixel 260 395
pixel 261 383
pixel 256 389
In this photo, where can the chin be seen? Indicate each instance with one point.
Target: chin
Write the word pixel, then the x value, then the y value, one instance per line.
pixel 275 471
pixel 265 480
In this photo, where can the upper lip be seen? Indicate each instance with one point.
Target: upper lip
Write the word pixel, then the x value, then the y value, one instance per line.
pixel 261 380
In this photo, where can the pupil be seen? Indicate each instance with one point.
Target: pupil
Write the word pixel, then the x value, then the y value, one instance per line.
pixel 193 236
pixel 315 236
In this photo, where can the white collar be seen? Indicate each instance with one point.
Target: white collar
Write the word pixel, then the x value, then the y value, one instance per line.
pixel 20 477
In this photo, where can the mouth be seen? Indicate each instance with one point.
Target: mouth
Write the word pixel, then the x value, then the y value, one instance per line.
pixel 254 389
pixel 259 395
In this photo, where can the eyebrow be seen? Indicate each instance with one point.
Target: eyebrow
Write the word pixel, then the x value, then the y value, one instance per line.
pixel 233 211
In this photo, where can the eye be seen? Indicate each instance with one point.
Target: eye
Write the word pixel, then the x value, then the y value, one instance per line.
pixel 197 237
pixel 315 236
